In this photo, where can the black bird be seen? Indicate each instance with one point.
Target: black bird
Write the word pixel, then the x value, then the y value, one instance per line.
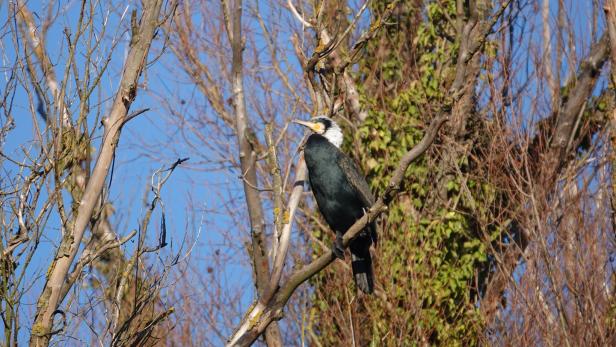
pixel 342 194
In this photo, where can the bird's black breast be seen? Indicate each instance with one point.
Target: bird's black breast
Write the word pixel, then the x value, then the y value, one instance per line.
pixel 334 186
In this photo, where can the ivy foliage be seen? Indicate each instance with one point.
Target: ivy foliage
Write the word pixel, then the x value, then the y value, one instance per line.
pixel 431 253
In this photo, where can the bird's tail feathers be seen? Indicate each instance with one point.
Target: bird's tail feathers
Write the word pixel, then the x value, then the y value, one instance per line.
pixel 362 271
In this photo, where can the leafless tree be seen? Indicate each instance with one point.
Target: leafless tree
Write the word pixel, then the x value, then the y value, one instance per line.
pixel 59 177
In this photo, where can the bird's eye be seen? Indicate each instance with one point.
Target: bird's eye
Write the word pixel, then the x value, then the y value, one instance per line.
pixel 319 128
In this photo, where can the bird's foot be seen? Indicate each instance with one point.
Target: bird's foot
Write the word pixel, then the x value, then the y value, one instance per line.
pixel 338 248
pixel 338 252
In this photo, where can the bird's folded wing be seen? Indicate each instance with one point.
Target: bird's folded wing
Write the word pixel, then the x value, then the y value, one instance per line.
pixel 356 179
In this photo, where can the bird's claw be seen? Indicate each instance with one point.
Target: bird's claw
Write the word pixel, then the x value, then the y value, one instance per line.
pixel 338 252
pixel 338 248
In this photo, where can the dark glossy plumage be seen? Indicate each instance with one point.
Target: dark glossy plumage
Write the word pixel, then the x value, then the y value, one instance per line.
pixel 342 195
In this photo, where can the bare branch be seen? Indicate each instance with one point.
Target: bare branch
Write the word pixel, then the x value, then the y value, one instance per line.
pixel 610 12
pixel 297 15
pixel 285 235
pixel 547 49
pixel 39 50
pixel 272 161
pixel 584 84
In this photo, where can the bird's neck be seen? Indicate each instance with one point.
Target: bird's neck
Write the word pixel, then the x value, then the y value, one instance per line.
pixel 334 136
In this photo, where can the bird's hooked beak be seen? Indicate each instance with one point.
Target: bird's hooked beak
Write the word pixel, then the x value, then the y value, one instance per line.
pixel 314 126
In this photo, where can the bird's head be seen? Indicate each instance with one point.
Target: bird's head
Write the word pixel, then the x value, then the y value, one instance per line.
pixel 325 127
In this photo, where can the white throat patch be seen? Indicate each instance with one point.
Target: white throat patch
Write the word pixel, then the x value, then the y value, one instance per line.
pixel 334 135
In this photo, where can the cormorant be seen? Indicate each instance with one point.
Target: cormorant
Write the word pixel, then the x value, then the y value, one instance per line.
pixel 342 194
